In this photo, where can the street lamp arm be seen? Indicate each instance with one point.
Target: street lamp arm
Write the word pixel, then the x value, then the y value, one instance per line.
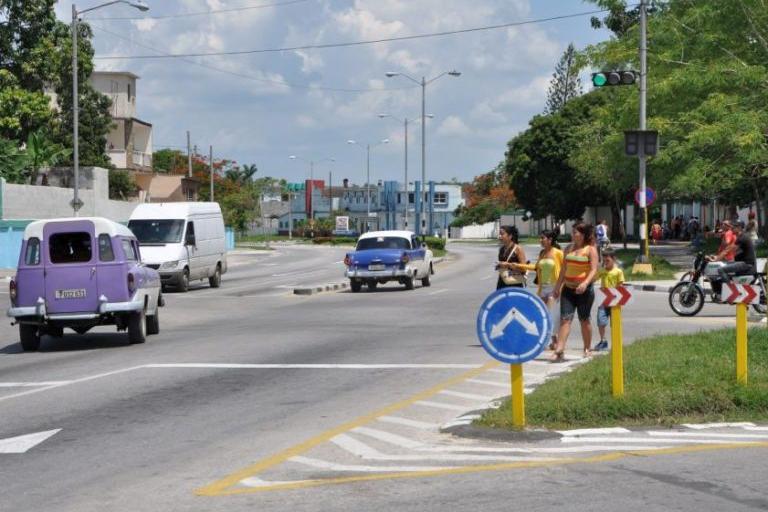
pixel 404 75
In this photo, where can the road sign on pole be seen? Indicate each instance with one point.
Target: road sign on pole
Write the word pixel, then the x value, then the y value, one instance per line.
pixel 616 298
pixel 650 196
pixel 76 204
pixel 742 295
pixel 514 326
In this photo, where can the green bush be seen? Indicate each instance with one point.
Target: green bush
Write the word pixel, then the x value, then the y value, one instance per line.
pixel 322 240
pixel 343 240
pixel 434 242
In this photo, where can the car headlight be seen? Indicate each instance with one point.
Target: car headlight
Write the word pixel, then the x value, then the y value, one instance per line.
pixel 168 265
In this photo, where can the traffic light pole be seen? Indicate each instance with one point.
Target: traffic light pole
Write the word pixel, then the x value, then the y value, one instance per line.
pixel 644 246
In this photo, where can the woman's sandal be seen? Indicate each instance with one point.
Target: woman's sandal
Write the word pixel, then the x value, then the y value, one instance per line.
pixel 557 357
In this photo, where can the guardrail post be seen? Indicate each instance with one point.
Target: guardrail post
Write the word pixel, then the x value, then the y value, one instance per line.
pixel 617 353
pixel 741 343
pixel 518 396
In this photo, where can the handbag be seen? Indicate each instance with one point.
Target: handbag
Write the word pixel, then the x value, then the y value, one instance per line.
pixel 512 277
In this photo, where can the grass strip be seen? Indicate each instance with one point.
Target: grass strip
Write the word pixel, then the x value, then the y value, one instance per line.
pixel 662 269
pixel 669 379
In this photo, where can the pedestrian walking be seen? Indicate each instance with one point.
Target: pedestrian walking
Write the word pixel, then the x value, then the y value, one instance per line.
pixel 656 232
pixel 610 276
pixel 574 288
pixel 751 229
pixel 547 268
pixel 510 253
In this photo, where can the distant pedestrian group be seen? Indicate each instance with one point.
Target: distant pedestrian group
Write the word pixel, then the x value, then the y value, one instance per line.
pixel 566 277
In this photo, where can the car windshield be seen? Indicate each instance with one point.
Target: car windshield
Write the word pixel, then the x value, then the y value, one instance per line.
pixel 165 231
pixel 383 242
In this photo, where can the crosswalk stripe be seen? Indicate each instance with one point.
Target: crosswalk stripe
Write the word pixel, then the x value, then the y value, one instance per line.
pixel 593 431
pixel 708 435
pixel 409 423
pixel 321 464
pixel 469 396
pixel 439 405
pixel 646 440
pixel 699 426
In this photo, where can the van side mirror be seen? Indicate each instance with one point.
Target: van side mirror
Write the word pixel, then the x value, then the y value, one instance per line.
pixel 190 239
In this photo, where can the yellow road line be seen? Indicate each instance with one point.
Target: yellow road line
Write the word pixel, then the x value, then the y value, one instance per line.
pixel 221 487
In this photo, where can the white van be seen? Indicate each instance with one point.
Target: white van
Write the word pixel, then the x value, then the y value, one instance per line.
pixel 183 241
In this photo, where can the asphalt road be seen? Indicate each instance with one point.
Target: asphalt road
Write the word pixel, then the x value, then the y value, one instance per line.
pixel 253 398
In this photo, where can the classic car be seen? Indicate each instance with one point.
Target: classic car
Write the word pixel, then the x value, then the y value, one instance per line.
pixel 383 256
pixel 79 273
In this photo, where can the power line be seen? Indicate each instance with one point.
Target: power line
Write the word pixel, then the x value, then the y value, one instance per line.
pixel 202 13
pixel 251 77
pixel 355 43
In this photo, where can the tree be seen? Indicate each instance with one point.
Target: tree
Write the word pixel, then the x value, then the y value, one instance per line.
pixel 42 152
pixel 121 185
pixel 21 111
pixel 565 84
pixel 24 41
pixel 12 162
pixel 169 160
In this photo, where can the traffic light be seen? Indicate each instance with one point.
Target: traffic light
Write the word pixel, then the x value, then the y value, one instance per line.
pixel 609 78
pixel 641 142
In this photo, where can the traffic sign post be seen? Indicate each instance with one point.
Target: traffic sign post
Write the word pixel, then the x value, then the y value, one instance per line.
pixel 742 295
pixel 514 326
pixel 616 298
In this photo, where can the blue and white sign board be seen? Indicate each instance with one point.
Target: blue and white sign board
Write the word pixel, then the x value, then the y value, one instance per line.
pixel 514 325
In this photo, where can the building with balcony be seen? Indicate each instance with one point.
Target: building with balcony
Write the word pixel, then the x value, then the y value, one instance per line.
pixel 129 144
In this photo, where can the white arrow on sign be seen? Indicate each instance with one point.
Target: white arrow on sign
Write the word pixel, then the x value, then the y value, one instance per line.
pixel 20 444
pixel 514 315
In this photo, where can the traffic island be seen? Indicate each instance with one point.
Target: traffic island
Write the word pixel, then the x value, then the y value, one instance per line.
pixel 669 380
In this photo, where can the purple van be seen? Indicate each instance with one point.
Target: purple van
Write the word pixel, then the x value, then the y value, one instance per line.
pixel 80 273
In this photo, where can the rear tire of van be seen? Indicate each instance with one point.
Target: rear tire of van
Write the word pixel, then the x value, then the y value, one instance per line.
pixel 153 322
pixel 215 279
pixel 184 281
pixel 30 337
pixel 137 327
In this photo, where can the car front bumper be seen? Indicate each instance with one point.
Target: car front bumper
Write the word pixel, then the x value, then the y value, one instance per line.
pixel 390 273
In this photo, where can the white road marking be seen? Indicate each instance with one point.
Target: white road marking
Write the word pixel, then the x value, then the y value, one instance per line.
pixel 700 426
pixel 321 464
pixel 468 396
pixel 645 440
pixel 362 450
pixel 758 429
pixel 438 292
pixel 20 444
pixel 396 420
pixel 388 437
pixel 439 405
pixel 33 384
pixel 67 383
pixel 593 431
pixel 490 383
pixel 708 435
pixel 318 366
pixel 258 482
pixel 486 278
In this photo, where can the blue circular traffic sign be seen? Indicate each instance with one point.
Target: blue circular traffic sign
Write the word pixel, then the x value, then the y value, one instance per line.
pixel 514 325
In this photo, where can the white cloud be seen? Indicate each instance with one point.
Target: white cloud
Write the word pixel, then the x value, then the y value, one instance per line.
pixel 306 121
pixel 145 25
pixel 453 126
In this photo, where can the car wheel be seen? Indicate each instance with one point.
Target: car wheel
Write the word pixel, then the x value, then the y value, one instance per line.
pixel 408 282
pixel 425 281
pixel 30 337
pixel 355 286
pixel 372 285
pixel 137 327
pixel 184 281
pixel 215 279
pixel 153 322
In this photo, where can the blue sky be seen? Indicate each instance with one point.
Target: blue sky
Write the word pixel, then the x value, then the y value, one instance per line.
pixel 252 118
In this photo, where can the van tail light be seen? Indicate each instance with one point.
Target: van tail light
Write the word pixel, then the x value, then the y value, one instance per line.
pixel 347 260
pixel 131 283
pixel 404 259
pixel 13 291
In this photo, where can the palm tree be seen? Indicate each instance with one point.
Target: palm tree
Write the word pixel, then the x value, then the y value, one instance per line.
pixel 12 161
pixel 42 152
pixel 248 171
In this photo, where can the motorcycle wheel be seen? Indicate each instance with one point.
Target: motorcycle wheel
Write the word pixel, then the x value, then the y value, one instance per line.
pixel 686 299
pixel 760 307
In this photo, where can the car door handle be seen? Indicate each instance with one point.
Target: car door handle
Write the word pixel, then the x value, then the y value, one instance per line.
pixel 93 271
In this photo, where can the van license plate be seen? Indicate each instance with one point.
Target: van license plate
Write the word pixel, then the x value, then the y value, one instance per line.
pixel 376 267
pixel 70 294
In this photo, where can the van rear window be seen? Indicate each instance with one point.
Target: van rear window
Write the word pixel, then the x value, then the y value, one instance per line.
pixel 70 247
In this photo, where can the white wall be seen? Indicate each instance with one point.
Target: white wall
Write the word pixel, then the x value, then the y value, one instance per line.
pixel 37 202
pixel 487 230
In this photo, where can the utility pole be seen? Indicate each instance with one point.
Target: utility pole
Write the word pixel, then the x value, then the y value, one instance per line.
pixel 210 168
pixel 423 148
pixel 405 211
pixel 644 247
pixel 330 193
pixel 189 156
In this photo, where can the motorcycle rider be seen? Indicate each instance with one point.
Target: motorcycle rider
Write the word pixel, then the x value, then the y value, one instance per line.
pixel 744 260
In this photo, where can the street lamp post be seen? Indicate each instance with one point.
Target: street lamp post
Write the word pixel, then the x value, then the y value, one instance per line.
pixel 405 138
pixel 311 179
pixel 423 83
pixel 138 4
pixel 368 172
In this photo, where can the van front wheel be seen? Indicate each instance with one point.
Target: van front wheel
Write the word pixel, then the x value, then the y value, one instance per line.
pixel 30 337
pixel 184 281
pixel 215 279
pixel 137 327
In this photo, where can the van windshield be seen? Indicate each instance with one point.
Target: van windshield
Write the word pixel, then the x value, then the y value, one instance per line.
pixel 383 242
pixel 160 231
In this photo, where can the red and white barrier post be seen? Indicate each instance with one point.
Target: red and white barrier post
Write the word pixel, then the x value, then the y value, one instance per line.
pixel 615 298
pixel 742 295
